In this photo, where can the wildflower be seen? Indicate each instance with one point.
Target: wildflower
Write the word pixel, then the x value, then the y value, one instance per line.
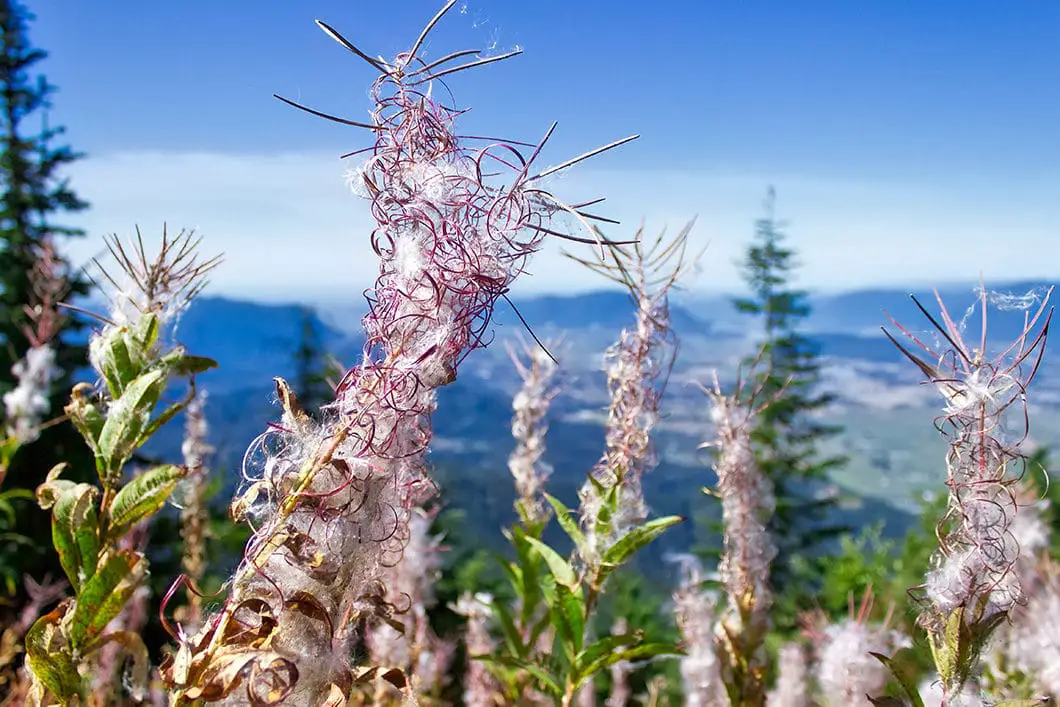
pixel 330 500
pixel 747 504
pixel 695 611
pixel 194 516
pixel 792 688
pixel 529 428
pixel 480 687
pixel 27 404
pixel 637 367
pixel 846 671
pixel 975 570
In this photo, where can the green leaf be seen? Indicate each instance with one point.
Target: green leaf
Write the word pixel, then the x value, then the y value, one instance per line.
pixel 903 666
pixel 75 522
pixel 49 656
pixel 104 595
pixel 567 522
pixel 142 497
pixel 511 634
pixel 126 420
pixel 146 332
pixel 634 540
pixel 567 610
pixel 600 648
pixel 544 680
pixel 559 567
pixel 156 424
pixel 635 653
pixel 86 417
pixel 115 362
pixel 187 365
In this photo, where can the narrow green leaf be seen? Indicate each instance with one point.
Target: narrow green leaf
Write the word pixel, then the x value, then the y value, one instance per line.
pixel 49 656
pixel 187 365
pixel 903 667
pixel 156 424
pixel 74 525
pixel 142 497
pixel 511 634
pixel 567 522
pixel 126 420
pixel 559 567
pixel 568 616
pixel 626 546
pixel 104 595
pixel 641 652
pixel 602 647
pixel 544 680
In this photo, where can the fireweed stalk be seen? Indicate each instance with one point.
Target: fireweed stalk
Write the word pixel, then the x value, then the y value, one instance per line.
pixel 194 515
pixel 92 526
pixel 564 593
pixel 329 501
pixel 695 611
pixel 974 583
pixel 748 550
pixel 848 672
pixel 27 404
pixel 638 366
pixel 481 688
pixel 793 685
pixel 529 427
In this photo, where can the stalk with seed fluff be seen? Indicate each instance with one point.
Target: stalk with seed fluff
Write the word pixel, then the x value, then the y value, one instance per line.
pixel 329 500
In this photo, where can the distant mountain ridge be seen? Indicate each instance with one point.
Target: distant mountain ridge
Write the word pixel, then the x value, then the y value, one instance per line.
pixel 255 342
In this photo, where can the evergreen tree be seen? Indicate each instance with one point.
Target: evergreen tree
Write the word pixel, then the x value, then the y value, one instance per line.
pixel 33 192
pixel 310 377
pixel 787 436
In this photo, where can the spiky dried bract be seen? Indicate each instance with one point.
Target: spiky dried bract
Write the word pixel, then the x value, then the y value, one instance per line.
pixel 637 367
pixel 163 286
pixel 330 501
pixel 696 612
pixel 793 684
pixel 529 427
pixel 985 422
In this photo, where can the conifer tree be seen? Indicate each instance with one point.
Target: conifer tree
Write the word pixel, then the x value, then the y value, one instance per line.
pixel 311 369
pixel 787 435
pixel 34 192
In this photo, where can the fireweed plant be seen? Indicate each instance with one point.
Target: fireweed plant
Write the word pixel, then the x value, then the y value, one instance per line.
pixel 974 583
pixel 561 595
pixel 329 500
pixel 93 527
pixel 747 502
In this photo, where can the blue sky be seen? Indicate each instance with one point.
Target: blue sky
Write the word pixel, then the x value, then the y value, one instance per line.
pixel 908 141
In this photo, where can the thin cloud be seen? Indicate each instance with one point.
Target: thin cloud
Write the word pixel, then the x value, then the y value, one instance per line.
pixel 291 229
